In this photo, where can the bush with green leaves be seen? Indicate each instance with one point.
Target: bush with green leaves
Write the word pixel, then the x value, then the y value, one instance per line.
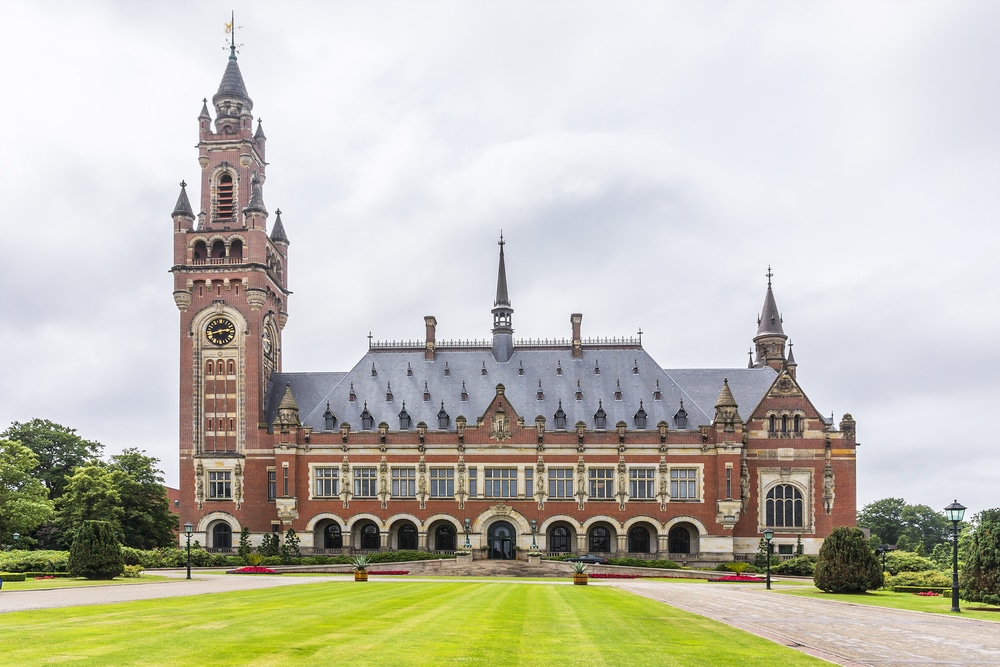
pixel 846 563
pixel 132 571
pixel 96 553
pixel 270 545
pixel 245 549
pixel 930 579
pixel 980 578
pixel 290 548
pixel 907 561
pixel 34 561
pixel 639 562
pixel 800 566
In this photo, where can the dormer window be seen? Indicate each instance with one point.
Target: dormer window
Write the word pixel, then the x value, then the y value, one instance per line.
pixel 409 371
pixel 404 419
pixel 483 372
pixel 367 421
pixel 427 392
pixel 597 367
pixel 618 390
pixel 520 368
pixel 640 417
pixel 635 367
pixel 388 392
pixel 656 393
pixel 329 419
pixel 558 368
pixel 374 372
pixel 447 371
pixel 600 417
pixel 560 418
pixel 443 419
pixel 465 394
pixel 540 395
pixel 224 196
pixel 579 392
pixel 681 418
pixel 352 397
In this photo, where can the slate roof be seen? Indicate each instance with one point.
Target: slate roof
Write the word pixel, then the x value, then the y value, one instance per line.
pixel 631 369
pixel 232 84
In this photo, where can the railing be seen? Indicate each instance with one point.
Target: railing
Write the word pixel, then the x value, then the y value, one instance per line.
pixel 216 261
pixel 485 343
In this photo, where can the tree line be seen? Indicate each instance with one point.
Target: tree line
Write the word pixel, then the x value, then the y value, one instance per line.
pixel 52 480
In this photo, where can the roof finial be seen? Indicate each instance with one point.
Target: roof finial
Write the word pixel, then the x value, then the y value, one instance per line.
pixel 501 239
pixel 231 31
pixel 769 274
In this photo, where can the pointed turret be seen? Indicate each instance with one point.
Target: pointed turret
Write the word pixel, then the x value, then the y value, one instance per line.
pixel 790 364
pixel 288 409
pixel 503 332
pixel 256 204
pixel 278 233
pixel 232 99
pixel 770 338
pixel 182 209
pixel 726 412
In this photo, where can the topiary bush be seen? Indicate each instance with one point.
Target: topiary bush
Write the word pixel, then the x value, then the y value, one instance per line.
pixel 800 566
pixel 95 553
pixel 928 579
pixel 846 563
pixel 34 561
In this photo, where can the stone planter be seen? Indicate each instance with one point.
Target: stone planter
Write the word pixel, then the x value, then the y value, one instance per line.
pixel 464 558
pixel 361 575
pixel 534 560
pixel 580 579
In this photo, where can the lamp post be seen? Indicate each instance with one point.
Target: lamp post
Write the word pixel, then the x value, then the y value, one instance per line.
pixel 16 536
pixel 468 526
pixel 534 531
pixel 955 512
pixel 188 528
pixel 768 536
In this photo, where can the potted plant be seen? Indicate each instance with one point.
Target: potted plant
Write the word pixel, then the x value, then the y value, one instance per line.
pixel 463 556
pixel 534 557
pixel 580 574
pixel 361 564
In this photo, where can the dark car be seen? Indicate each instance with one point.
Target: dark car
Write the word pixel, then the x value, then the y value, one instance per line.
pixel 588 558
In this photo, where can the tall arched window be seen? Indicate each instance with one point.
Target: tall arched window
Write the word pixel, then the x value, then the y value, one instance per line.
pixel 784 507
pixel 559 539
pixel 407 537
pixel 225 196
pixel 638 540
pixel 600 539
pixel 222 536
pixel 679 540
pixel 236 250
pixel 332 537
pixel 370 537
pixel 444 537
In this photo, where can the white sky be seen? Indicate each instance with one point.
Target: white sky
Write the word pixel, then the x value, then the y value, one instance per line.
pixel 646 162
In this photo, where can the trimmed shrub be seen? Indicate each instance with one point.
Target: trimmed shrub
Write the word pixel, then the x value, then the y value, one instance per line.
pixel 639 562
pixel 926 580
pixel 11 576
pixel 847 564
pixel 34 561
pixel 800 566
pixel 132 571
pixel 907 561
pixel 96 553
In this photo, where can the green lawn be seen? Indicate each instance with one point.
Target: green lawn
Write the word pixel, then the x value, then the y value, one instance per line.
pixel 75 582
pixel 405 623
pixel 933 605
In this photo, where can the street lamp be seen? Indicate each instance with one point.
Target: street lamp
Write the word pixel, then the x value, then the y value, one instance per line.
pixel 534 531
pixel 768 536
pixel 468 527
pixel 188 528
pixel 955 513
pixel 16 536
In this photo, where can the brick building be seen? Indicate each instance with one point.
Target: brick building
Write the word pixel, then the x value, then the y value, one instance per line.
pixel 573 445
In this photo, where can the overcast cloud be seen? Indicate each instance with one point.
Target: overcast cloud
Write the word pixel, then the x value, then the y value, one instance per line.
pixel 646 162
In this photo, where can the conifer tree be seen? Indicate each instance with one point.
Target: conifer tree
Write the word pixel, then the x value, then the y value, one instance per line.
pixel 980 578
pixel 847 564
pixel 95 553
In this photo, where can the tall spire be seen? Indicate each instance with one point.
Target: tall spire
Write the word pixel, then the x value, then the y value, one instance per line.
pixel 232 99
pixel 183 206
pixel 770 338
pixel 503 332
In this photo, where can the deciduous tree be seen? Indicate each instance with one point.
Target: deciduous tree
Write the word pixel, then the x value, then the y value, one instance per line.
pixel 90 495
pixel 147 522
pixel 60 451
pixel 24 500
pixel 980 577
pixel 897 522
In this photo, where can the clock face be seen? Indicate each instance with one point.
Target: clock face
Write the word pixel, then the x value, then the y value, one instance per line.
pixel 220 331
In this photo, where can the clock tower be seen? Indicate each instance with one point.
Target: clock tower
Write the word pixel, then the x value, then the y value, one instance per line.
pixel 230 285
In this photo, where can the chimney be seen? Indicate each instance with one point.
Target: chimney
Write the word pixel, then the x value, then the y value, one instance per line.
pixel 431 323
pixel 576 319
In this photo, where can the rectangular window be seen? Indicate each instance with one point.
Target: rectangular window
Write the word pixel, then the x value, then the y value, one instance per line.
pixel 641 483
pixel 529 481
pixel 220 485
pixel 327 482
pixel 560 483
pixel 364 482
pixel 442 482
pixel 272 483
pixel 473 490
pixel 500 483
pixel 602 483
pixel 729 481
pixel 785 549
pixel 683 483
pixel 404 482
pixel 284 475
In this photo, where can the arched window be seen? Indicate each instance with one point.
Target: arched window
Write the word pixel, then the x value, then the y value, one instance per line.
pixel 370 537
pixel 600 539
pixel 404 419
pixel 784 507
pixel 444 537
pixel 640 417
pixel 231 367
pixel 225 196
pixel 798 424
pixel 679 540
pixel 560 418
pixel 210 367
pixel 784 423
pixel 332 537
pixel 600 417
pixel 638 540
pixel 559 539
pixel 222 536
pixel 771 424
pixel 236 250
pixel 407 537
pixel 443 419
pixel 366 419
pixel 200 251
pixel 218 250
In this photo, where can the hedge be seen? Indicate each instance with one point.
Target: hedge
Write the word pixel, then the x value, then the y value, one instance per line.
pixel 12 576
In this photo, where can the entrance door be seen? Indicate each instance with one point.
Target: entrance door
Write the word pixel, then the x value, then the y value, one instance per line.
pixel 501 541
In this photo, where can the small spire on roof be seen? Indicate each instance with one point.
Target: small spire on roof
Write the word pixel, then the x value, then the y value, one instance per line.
pixel 183 205
pixel 278 234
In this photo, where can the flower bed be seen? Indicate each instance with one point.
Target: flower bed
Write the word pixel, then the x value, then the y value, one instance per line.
pixel 253 569
pixel 393 572
pixel 928 594
pixel 611 575
pixel 738 577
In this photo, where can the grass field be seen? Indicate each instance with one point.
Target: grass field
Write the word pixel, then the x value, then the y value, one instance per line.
pixel 933 605
pixel 408 623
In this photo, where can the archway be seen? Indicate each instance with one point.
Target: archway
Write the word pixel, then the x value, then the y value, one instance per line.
pixel 638 540
pixel 601 539
pixel 444 537
pixel 370 539
pixel 406 537
pixel 679 540
pixel 333 538
pixel 222 536
pixel 561 539
pixel 500 541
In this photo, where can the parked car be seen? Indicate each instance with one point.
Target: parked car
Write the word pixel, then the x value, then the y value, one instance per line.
pixel 588 558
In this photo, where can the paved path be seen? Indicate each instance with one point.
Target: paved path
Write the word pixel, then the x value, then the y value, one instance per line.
pixel 843 633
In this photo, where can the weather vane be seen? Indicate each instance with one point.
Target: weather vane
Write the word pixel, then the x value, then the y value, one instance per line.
pixel 231 31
